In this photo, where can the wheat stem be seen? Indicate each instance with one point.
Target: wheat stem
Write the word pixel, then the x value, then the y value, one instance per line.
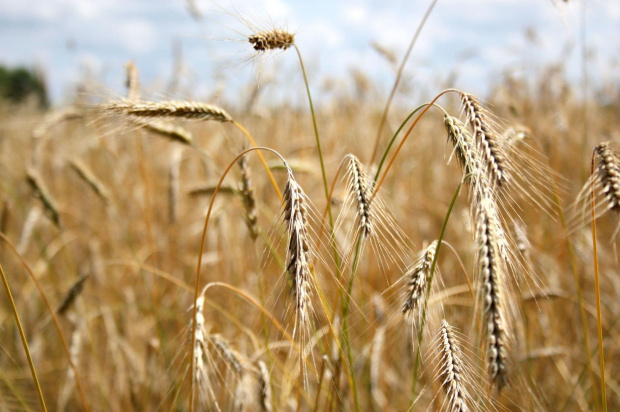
pixel 599 321
pixel 397 81
pixel 63 340
pixel 400 146
pixel 418 354
pixel 22 335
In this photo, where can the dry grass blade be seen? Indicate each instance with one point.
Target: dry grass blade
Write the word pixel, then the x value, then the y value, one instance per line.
pixel 172 108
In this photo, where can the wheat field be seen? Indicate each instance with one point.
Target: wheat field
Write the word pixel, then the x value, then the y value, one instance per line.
pixel 325 256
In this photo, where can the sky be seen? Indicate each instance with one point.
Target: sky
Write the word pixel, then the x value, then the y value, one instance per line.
pixel 73 40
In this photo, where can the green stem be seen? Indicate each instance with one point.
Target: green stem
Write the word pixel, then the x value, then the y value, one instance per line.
pixel 397 80
pixel 428 287
pixel 346 304
pixel 22 335
pixel 316 133
pixel 389 146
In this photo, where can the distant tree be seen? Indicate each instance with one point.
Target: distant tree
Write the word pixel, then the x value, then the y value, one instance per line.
pixel 18 84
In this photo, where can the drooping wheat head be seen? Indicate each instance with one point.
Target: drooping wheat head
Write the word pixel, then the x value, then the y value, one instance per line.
pixel 171 108
pixel 360 187
pixel 89 177
pixel 131 81
pixel 418 277
pixel 168 130
pixel 491 270
pixel 264 387
pixel 298 248
pixel 605 183
pixel 72 294
pixel 452 369
pixel 247 196
pixel 35 181
pixel 202 357
pixel 608 170
pixel 486 138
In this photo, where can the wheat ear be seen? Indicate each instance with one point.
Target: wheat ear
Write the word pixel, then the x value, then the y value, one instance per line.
pixel 247 196
pixel 89 177
pixel 608 170
pixel 361 189
pixel 298 250
pixel 72 294
pixel 264 387
pixel 43 193
pixel 452 368
pixel 485 136
pixel 491 269
pixel 172 108
pixel 275 39
pixel 418 279
pixel 170 131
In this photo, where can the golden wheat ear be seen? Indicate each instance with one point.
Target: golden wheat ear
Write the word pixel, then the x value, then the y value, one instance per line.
pixel 604 183
pixel 491 273
pixel 452 368
pixel 298 248
pixel 274 39
pixel 417 280
pixel 171 109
